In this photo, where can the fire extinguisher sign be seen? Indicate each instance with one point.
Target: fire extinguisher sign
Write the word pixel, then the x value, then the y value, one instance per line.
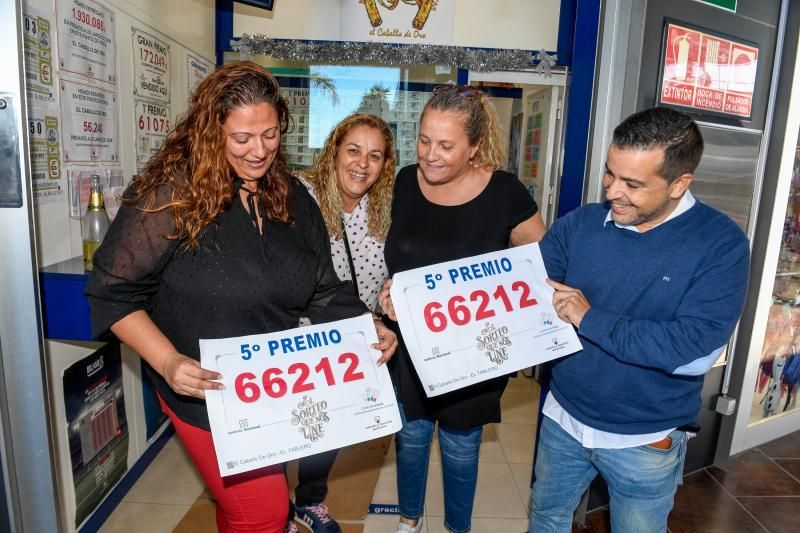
pixel 707 72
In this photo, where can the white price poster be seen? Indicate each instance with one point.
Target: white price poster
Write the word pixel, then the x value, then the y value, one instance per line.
pixel 88 123
pixel 86 39
pixel 296 393
pixel 38 38
pixel 48 184
pixel 152 125
pixel 151 66
pixel 197 69
pixel 478 318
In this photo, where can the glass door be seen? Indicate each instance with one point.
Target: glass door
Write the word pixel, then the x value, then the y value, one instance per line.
pixel 529 106
pixel 778 376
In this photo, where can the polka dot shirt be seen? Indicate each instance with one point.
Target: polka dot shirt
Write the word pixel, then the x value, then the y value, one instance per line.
pixel 367 254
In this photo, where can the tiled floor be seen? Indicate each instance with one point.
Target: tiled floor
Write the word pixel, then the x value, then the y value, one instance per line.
pixel 504 472
pixel 759 491
pixel 161 497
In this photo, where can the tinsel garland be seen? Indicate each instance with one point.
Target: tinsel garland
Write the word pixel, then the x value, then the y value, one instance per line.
pixel 390 54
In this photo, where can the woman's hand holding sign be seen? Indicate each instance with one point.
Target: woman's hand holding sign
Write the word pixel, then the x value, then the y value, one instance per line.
pixel 385 300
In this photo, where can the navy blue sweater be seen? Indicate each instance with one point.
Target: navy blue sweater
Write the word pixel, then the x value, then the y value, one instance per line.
pixel 663 303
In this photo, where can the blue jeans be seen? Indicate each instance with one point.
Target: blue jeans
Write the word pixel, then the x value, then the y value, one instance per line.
pixel 459 469
pixel 641 481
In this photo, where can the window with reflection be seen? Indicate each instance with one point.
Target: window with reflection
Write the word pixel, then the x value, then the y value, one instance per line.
pixel 779 366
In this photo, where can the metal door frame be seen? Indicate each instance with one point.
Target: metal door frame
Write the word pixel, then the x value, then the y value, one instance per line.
pixel 557 82
pixel 28 472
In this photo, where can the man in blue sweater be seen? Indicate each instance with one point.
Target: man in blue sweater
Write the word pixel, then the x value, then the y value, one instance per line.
pixel 654 281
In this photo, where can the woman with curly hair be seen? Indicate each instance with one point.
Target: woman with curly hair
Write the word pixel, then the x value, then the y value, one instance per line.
pixel 455 203
pixel 352 181
pixel 215 239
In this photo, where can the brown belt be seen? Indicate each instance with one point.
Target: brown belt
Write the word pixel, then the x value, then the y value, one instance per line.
pixel 662 444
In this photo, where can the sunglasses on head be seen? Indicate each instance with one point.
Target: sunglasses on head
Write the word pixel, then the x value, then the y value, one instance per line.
pixel 467 91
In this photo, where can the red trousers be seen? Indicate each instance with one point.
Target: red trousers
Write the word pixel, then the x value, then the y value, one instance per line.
pixel 254 501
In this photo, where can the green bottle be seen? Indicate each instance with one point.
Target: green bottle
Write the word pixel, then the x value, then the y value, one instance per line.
pixel 95 223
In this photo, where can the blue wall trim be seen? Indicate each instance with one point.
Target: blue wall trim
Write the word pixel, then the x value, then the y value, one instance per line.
pixel 566 32
pixel 223 28
pixel 579 106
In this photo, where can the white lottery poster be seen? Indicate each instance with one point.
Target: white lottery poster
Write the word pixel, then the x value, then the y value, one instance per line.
pixel 151 66
pixel 152 125
pixel 86 43
pixel 478 318
pixel 197 69
pixel 88 123
pixel 45 140
pixel 298 392
pixel 38 39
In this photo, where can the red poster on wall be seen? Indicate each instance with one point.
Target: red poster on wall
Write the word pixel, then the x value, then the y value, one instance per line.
pixel 707 72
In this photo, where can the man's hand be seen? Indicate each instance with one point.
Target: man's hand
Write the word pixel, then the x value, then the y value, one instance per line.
pixel 571 305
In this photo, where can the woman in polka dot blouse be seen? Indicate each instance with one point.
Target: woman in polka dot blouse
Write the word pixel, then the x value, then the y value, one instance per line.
pixel 352 182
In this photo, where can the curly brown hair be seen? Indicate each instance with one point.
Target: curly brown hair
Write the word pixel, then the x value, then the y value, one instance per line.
pixel 192 160
pixel 322 177
pixel 481 123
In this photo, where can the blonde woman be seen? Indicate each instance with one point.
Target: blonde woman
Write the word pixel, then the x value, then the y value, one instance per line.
pixel 352 182
pixel 454 203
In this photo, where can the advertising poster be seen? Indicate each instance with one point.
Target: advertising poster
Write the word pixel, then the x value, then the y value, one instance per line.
pixel 482 317
pixel 707 72
pixel 88 123
pixel 96 425
pixel 399 21
pixel 151 67
pixel 152 125
pixel 45 140
pixel 197 69
pixel 86 43
pixel 779 366
pixel 300 144
pixel 298 392
pixel 38 43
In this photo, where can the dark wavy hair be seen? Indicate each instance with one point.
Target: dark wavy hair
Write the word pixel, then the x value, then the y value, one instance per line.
pixel 192 160
pixel 322 177
pixel 662 128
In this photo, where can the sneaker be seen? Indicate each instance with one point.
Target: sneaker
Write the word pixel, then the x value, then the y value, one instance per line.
pixel 406 528
pixel 316 518
pixel 291 527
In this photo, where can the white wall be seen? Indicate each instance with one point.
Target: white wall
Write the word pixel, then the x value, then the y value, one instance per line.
pixel 292 19
pixel 186 25
pixel 521 24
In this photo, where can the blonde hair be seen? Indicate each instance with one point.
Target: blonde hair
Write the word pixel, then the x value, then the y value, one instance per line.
pixel 481 123
pixel 322 177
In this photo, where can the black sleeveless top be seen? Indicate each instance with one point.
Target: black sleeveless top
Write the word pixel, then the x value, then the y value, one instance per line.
pixel 423 233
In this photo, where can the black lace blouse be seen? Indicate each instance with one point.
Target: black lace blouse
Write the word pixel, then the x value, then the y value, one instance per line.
pixel 423 233
pixel 239 282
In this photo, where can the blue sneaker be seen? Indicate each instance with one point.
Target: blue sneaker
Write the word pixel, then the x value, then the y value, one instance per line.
pixel 316 518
